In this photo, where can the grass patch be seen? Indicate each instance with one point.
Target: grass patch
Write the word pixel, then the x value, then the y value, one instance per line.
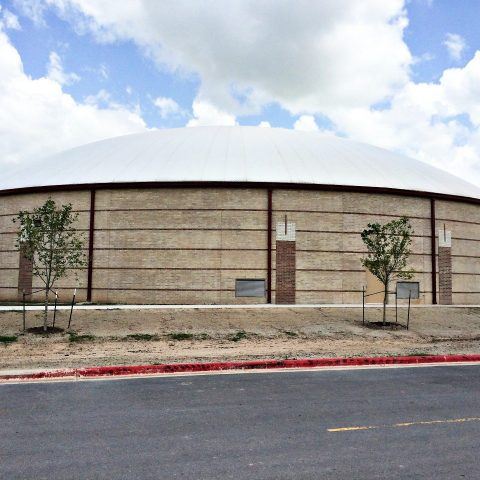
pixel 240 335
pixel 80 338
pixel 141 336
pixel 181 336
pixel 40 331
pixel 5 339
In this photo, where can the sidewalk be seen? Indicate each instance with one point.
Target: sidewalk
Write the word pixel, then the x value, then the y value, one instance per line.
pixel 16 308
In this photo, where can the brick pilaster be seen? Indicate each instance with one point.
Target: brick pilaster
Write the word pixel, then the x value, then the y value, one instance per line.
pixel 285 264
pixel 445 267
pixel 445 275
pixel 25 276
pixel 285 278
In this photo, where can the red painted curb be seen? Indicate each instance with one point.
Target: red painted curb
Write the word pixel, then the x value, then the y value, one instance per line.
pixel 242 365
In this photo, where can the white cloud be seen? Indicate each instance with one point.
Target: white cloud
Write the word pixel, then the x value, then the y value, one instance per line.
pixel 37 118
pixel 8 20
pixel 307 56
pixel 455 45
pixel 103 71
pixel 167 106
pixel 34 9
pixel 306 123
pixel 335 58
pixel 206 114
pixel 56 73
pixel 435 122
pixel 102 97
pixel 264 124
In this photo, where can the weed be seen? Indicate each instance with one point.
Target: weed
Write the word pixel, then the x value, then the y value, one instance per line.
pixel 80 338
pixel 240 335
pixel 141 336
pixel 181 336
pixel 8 339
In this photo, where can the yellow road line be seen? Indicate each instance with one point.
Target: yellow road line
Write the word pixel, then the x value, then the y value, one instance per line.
pixel 404 424
pixel 351 429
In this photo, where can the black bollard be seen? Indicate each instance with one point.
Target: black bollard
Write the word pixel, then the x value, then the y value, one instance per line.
pixel 363 305
pixel 55 309
pixel 408 314
pixel 23 295
pixel 71 309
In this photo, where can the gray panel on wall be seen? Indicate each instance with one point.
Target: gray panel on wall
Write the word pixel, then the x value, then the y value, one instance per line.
pixel 249 288
pixel 404 289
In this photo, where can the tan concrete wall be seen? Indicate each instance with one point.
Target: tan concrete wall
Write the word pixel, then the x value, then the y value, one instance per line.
pixel 329 247
pixel 10 205
pixel 178 245
pixel 463 220
pixel 189 245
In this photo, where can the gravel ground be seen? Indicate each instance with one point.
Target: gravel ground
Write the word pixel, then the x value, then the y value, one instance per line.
pixel 190 334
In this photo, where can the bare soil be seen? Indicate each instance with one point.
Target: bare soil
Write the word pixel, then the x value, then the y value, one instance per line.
pixel 108 337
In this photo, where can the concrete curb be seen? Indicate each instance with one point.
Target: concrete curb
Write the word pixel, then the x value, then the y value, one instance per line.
pixel 119 370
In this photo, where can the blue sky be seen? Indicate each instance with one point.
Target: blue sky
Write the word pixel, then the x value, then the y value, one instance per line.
pixel 130 70
pixel 123 64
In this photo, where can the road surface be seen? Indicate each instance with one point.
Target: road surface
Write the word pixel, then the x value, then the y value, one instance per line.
pixel 388 423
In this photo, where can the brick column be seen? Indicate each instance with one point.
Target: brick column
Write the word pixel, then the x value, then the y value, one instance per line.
pixel 445 267
pixel 285 263
pixel 25 276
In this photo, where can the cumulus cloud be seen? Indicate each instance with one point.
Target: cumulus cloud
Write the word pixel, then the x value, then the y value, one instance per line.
pixel 264 124
pixel 455 45
pixel 307 56
pixel 336 59
pixel 38 118
pixel 435 122
pixel 306 123
pixel 167 106
pixel 206 114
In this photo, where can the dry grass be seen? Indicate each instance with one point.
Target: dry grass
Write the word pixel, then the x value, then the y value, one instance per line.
pixel 171 335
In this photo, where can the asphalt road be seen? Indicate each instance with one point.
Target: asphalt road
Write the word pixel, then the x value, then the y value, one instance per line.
pixel 247 426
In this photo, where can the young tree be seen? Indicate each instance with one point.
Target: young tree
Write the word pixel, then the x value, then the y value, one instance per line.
pixel 49 240
pixel 388 251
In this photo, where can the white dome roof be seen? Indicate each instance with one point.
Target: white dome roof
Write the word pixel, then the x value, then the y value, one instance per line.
pixel 235 154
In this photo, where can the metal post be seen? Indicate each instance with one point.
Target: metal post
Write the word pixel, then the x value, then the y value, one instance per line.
pixel 23 295
pixel 363 305
pixel 396 304
pixel 408 314
pixel 71 309
pixel 55 308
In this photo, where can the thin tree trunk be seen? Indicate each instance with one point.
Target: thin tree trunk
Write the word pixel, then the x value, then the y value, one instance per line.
pixel 45 315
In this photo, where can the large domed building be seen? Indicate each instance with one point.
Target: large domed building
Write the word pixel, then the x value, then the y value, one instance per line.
pixel 197 216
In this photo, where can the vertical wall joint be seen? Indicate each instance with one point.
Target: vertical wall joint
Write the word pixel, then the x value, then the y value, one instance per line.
pixel 91 235
pixel 269 245
pixel 433 251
